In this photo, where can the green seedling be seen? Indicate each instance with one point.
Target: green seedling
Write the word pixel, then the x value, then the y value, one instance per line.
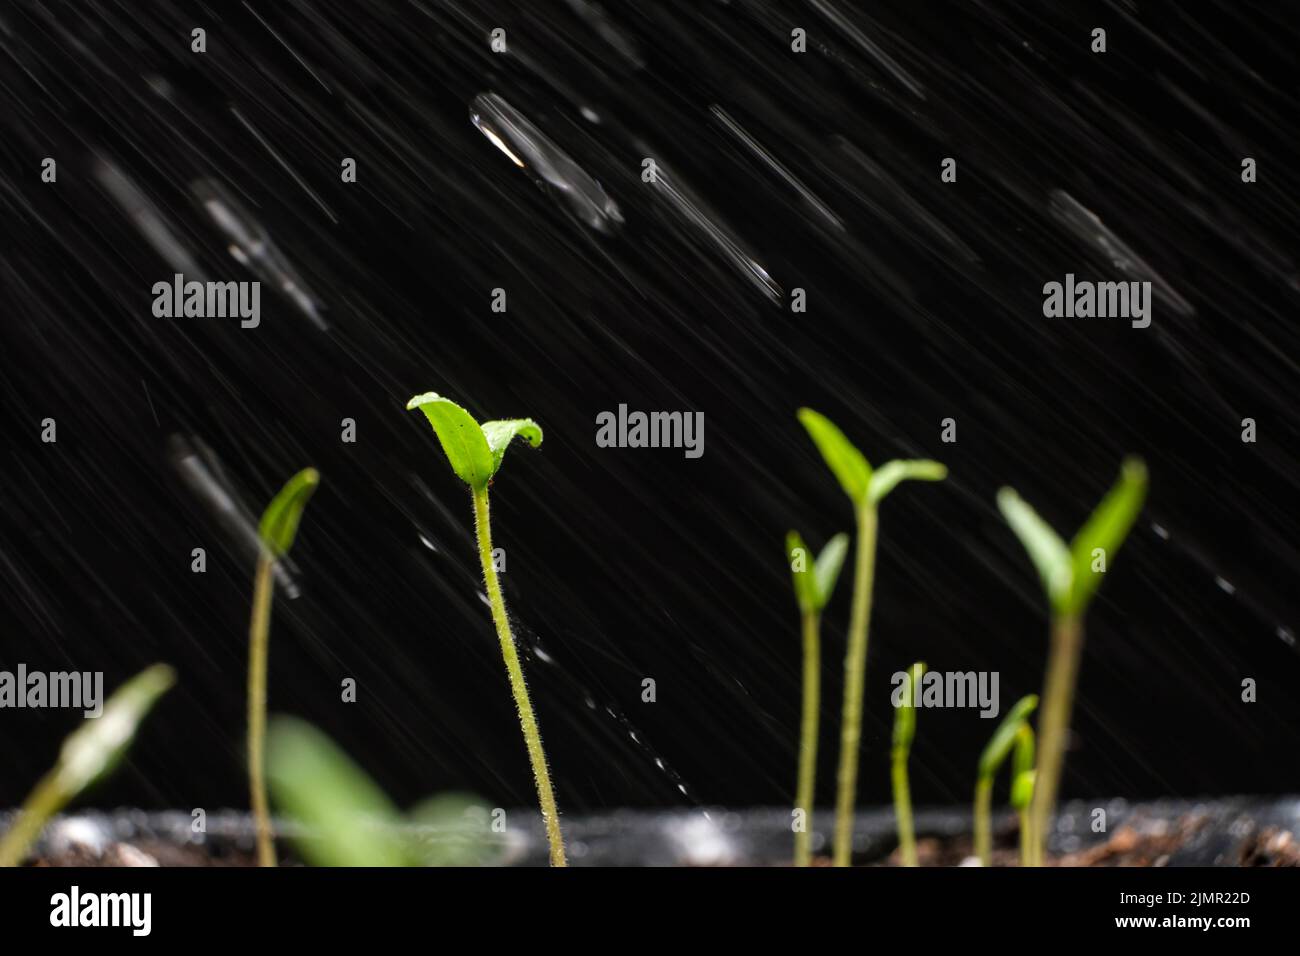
pixel 995 753
pixel 1022 790
pixel 475 452
pixel 345 819
pixel 278 528
pixel 89 754
pixel 813 584
pixel 1070 576
pixel 866 488
pixel 904 732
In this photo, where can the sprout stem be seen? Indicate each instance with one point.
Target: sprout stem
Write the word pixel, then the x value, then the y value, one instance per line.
pixel 984 820
pixel 42 803
pixel 855 667
pixel 259 633
pixel 903 809
pixel 805 795
pixel 527 720
pixel 1054 724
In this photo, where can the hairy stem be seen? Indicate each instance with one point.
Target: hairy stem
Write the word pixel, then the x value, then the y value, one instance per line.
pixel 259 634
pixel 42 803
pixel 806 792
pixel 1054 724
pixel 903 809
pixel 984 820
pixel 524 705
pixel 855 668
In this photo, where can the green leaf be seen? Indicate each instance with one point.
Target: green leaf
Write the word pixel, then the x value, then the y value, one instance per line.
pixel 1004 738
pixel 500 433
pixel 845 462
pixel 827 570
pixel 1045 548
pixel 905 713
pixel 348 820
pixel 888 476
pixel 454 829
pixel 91 751
pixel 279 523
pixel 801 572
pixel 1107 528
pixel 461 438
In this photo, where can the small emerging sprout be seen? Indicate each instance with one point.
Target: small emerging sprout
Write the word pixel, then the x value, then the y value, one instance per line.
pixel 1022 790
pixel 1070 577
pixel 277 530
pixel 904 732
pixel 995 754
pixel 866 489
pixel 89 753
pixel 813 586
pixel 475 452
pixel 348 820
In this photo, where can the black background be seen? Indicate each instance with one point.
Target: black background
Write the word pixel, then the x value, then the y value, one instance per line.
pixel 626 564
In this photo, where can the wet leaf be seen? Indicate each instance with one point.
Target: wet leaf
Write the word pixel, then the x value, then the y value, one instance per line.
pixel 499 434
pixel 1050 556
pixel 1107 528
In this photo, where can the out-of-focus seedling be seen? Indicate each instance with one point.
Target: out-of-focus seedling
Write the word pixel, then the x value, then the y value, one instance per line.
pixel 814 582
pixel 277 529
pixel 995 754
pixel 1070 576
pixel 341 816
pixel 1022 790
pixel 904 732
pixel 475 452
pixel 88 754
pixel 866 488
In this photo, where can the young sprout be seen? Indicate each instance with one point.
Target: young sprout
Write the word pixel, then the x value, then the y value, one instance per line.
pixel 812 590
pixel 475 452
pixel 995 754
pixel 865 488
pixel 904 731
pixel 1070 576
pixel 277 530
pixel 88 755
pixel 1022 790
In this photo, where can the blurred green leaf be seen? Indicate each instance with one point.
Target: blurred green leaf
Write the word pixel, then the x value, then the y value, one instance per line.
pixel 279 525
pixel 814 578
pixel 1046 550
pixel 887 477
pixel 844 460
pixel 500 433
pixel 827 568
pixel 905 713
pixel 96 747
pixel 349 821
pixel 455 829
pixel 1107 528
pixel 1022 768
pixel 1004 738
pixel 801 572
pixel 462 440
